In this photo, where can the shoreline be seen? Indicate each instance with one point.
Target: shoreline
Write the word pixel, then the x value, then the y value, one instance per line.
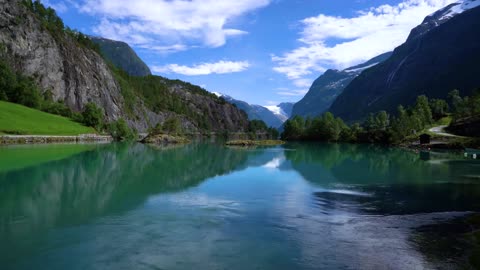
pixel 46 139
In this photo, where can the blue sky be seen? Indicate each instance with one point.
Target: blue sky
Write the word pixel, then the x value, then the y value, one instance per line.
pixel 261 51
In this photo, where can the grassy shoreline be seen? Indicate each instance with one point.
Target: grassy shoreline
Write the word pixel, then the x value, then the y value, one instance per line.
pixel 16 119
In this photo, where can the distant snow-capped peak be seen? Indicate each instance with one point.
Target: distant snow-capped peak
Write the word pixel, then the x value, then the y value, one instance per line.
pixel 442 16
pixel 458 8
pixel 278 111
pixel 452 10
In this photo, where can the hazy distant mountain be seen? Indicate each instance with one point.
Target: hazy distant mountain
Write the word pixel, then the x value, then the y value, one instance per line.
pixel 122 56
pixel 329 85
pixel 441 54
pixel 271 116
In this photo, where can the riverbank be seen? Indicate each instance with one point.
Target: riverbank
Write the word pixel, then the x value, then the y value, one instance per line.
pixel 442 141
pixel 44 139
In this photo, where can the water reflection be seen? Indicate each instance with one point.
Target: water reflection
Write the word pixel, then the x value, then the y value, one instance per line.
pixel 410 198
pixel 387 181
pixel 298 206
pixel 106 180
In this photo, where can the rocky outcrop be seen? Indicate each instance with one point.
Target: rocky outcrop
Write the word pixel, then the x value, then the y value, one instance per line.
pixel 74 74
pixel 78 75
pixel 165 139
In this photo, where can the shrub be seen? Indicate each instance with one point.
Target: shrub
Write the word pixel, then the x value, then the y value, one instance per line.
pixel 121 131
pixel 58 108
pixel 93 116
pixel 172 126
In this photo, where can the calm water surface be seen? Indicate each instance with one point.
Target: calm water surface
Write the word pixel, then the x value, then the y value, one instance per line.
pixel 205 206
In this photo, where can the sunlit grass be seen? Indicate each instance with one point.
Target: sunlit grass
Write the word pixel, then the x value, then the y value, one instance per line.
pixel 18 119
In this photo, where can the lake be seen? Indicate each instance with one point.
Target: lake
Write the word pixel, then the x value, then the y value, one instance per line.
pixel 206 206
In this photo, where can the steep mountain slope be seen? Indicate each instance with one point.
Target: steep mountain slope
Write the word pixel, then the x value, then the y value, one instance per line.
pixel 440 55
pixel 329 85
pixel 122 56
pixel 257 112
pixel 57 60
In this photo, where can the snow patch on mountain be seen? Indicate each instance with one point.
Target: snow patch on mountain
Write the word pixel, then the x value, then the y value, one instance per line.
pixel 279 112
pixel 359 70
pixel 458 8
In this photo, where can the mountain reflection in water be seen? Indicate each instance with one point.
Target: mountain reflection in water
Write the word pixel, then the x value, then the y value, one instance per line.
pixel 302 206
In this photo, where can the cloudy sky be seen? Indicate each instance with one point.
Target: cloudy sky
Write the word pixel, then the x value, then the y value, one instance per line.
pixel 261 51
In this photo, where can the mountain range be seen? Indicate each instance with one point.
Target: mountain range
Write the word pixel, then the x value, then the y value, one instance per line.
pixel 440 55
pixel 273 116
pixel 34 42
pixel 329 86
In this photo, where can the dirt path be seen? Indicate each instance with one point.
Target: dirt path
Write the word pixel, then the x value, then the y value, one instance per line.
pixel 440 130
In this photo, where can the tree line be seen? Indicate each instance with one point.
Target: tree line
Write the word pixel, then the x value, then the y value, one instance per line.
pixel 383 127
pixel 55 26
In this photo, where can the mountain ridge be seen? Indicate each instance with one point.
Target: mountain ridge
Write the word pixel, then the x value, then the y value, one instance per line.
pixel 121 55
pixel 326 88
pixel 420 66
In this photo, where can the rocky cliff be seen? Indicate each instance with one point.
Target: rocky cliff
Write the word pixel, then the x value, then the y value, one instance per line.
pixel 77 75
pixel 74 74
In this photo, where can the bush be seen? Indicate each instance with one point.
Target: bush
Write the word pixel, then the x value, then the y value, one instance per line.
pixel 156 130
pixel 26 93
pixel 120 130
pixel 17 88
pixel 172 126
pixel 92 116
pixel 58 108
pixel 77 117
pixel 3 96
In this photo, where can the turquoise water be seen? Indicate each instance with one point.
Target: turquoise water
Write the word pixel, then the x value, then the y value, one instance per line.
pixel 205 206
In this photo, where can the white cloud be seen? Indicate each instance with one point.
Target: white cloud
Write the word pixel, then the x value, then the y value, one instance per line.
pixel 365 36
pixel 293 93
pixel 166 49
pixel 302 83
pixel 170 25
pixel 221 67
pixel 59 7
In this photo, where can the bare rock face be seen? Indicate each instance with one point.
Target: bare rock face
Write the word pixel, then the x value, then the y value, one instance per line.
pixel 74 74
pixel 78 75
